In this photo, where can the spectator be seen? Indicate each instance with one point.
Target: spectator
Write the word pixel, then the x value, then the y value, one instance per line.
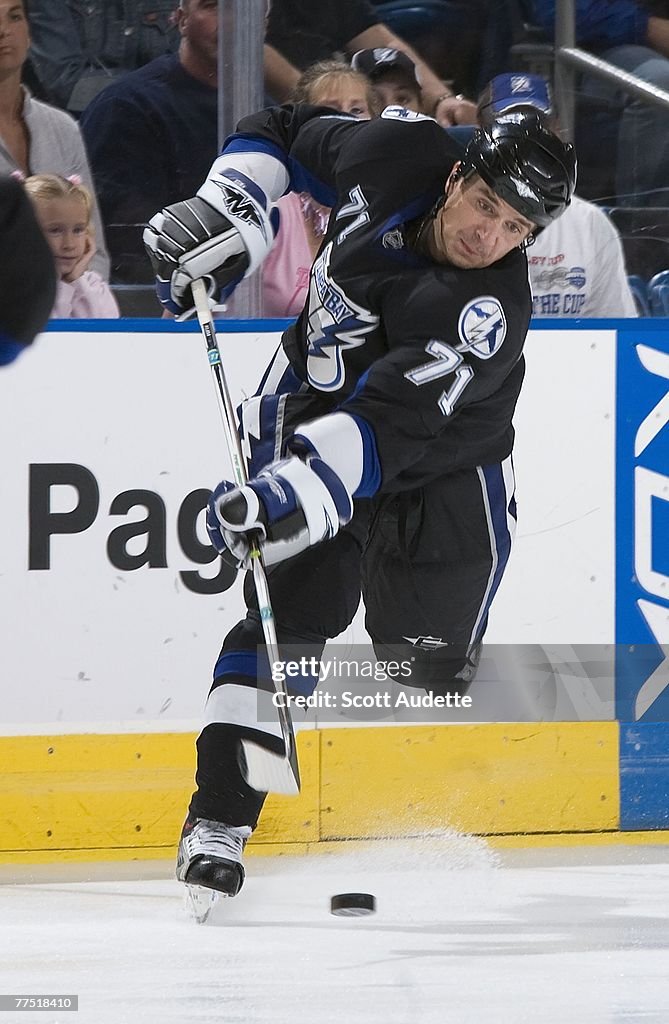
pixel 604 26
pixel 77 49
pixel 63 209
pixel 340 86
pixel 299 33
pixel 466 40
pixel 36 138
pixel 152 136
pixel 633 35
pixel 27 272
pixel 577 266
pixel 304 221
pixel 393 77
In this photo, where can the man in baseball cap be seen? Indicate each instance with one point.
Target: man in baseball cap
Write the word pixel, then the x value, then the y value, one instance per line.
pixel 393 77
pixel 509 93
pixel 577 265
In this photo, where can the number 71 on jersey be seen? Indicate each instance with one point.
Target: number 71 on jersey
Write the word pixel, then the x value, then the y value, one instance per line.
pixel 445 360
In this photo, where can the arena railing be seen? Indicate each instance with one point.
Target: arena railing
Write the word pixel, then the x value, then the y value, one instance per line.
pixel 569 59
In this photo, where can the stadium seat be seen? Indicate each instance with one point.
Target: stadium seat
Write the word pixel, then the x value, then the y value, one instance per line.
pixel 658 294
pixel 409 19
pixel 453 36
pixel 532 50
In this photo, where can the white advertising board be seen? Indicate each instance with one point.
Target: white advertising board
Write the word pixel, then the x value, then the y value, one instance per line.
pixel 559 585
pixel 106 437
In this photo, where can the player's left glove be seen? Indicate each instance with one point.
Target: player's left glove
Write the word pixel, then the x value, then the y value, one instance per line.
pixel 289 506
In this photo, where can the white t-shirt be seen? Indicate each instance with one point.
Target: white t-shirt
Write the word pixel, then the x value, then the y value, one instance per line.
pixel 577 267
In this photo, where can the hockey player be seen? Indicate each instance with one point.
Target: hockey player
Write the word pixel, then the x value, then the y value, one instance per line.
pixel 380 440
pixel 28 272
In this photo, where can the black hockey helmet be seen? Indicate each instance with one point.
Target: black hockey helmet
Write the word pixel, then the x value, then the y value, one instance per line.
pixel 525 164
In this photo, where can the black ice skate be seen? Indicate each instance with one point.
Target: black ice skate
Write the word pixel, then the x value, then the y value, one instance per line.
pixel 210 856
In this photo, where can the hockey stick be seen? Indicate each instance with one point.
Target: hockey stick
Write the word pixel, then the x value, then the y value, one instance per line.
pixel 264 770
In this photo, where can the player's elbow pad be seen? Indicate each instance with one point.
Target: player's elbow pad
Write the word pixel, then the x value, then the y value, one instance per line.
pixel 347 444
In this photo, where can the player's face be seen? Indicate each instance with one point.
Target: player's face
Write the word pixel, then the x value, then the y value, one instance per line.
pixel 394 91
pixel 474 227
pixel 65 224
pixel 14 36
pixel 346 93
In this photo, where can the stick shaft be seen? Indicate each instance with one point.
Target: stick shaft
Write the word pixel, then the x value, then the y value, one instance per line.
pixel 227 411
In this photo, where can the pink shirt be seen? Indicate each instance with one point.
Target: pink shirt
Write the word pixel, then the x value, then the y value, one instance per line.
pixel 87 297
pixel 285 272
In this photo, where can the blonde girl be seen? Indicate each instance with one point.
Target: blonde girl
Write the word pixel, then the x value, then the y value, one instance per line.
pixel 64 210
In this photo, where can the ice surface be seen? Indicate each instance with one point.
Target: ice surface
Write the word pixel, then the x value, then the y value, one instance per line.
pixel 462 935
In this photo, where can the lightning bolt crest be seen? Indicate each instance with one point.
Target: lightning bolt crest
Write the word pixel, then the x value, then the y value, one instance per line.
pixel 336 324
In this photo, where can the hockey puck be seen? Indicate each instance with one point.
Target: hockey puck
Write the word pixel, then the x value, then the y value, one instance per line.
pixel 352 904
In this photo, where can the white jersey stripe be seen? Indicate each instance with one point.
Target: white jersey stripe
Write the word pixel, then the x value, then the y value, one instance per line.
pixel 510 489
pixel 501 537
pixel 493 552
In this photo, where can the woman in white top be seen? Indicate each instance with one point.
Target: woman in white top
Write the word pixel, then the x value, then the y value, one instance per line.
pixel 34 137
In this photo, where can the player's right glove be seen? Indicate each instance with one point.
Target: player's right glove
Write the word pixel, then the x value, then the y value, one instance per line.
pixel 188 240
pixel 289 506
pixel 221 235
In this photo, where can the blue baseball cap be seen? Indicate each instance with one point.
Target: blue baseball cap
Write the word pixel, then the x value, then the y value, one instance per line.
pixel 505 93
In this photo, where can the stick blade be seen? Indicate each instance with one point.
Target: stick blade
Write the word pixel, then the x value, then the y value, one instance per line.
pixel 268 772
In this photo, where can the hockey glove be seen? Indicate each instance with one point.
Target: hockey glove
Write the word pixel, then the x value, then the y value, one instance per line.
pixel 189 240
pixel 220 235
pixel 289 506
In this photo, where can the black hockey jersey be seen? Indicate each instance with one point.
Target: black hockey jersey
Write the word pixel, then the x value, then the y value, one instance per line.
pixel 27 272
pixel 429 355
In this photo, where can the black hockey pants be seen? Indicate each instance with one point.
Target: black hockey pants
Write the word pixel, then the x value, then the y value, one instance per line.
pixel 427 562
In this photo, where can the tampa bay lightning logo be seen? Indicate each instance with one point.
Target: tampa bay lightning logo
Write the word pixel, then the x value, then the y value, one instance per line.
pixel 402 114
pixel 482 326
pixel 336 325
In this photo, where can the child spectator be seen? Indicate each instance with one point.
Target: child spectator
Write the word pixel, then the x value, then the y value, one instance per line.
pixel 337 84
pixel 393 77
pixel 301 32
pixel 63 207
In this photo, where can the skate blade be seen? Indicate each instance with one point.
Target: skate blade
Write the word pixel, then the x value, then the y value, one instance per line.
pixel 199 902
pixel 268 772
